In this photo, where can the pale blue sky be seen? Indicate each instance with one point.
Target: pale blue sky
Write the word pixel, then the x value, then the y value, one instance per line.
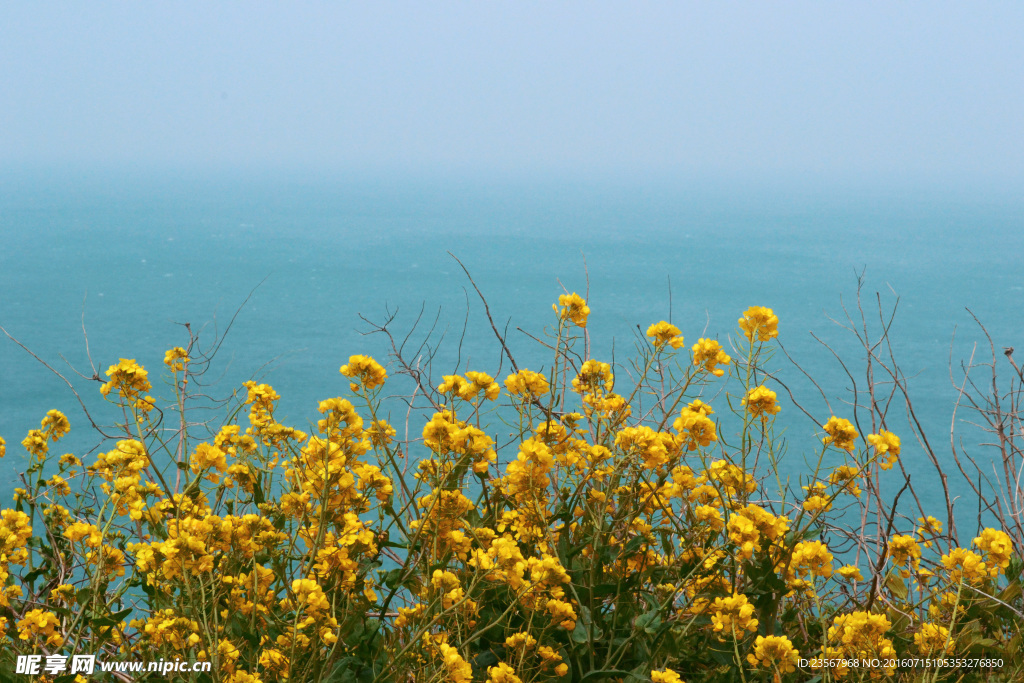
pixel 820 89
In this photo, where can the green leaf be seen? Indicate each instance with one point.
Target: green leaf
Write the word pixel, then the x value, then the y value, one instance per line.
pixel 649 622
pixel 896 584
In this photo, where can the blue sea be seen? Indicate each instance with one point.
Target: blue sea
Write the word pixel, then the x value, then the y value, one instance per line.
pixel 138 255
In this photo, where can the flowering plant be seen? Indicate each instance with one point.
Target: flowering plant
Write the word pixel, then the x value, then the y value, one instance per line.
pixel 630 531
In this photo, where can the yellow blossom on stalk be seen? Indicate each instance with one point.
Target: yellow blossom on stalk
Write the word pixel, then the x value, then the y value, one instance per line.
pixel 129 379
pixel 744 534
pixel 811 557
pixel 845 476
pixel 662 333
pixel 759 321
pixel 709 354
pixel 705 514
pixel 929 529
pixel 774 652
pixel 904 551
pixel 452 384
pixel 695 428
pixel 527 384
pixel 760 402
pixel 308 595
pixel 338 412
pixel 964 565
pixel 574 308
pixel 79 531
pixel 519 642
pixel 458 669
pixel 35 443
pixel 840 433
pixel 41 623
pixel 861 635
pixel 732 477
pixel 206 456
pixel 55 425
pixel 69 460
pixel 176 358
pixel 58 485
pixel 145 404
pixel 816 500
pixel 850 573
pixel 594 377
pixel 480 382
pixel 562 613
pixel 3 447
pixel 243 676
pixel 548 657
pixel 365 371
pixel 767 524
pixel 380 433
pixel 503 673
pixel 997 547
pixel 886 444
pixel 15 530
pixel 731 614
pixel 665 676
pixel 933 638
pixel 655 448
pixel 63 593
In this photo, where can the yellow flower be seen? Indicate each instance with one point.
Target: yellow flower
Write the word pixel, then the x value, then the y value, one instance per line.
pixel 55 425
pixel 841 433
pixel 41 623
pixel 997 547
pixel 366 371
pixel 708 353
pixel 860 635
pixel 760 401
pixel 574 308
pixel 3 447
pixel 207 456
pixel 759 321
pixel 595 377
pixel 774 652
pixel 665 333
pixel 695 428
pixel 744 534
pixel 129 379
pixel 845 476
pixel 886 444
pixel 732 614
pixel 929 529
pixel 527 383
pixel 59 485
pixel 176 358
pixel 709 515
pixel 665 676
pixel 850 573
pixel 964 565
pixel 503 673
pixel 35 443
pixel 811 557
pixel 459 670
pixel 563 613
pixel 933 638
pixel 904 551
pixel 82 530
pixel 480 381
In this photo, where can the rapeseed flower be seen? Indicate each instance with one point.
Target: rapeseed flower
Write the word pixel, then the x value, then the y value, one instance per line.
pixel 760 322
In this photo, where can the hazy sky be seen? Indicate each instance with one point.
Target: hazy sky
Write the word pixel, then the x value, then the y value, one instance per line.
pixel 888 89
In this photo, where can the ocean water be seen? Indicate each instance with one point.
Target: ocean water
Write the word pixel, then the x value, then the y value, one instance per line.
pixel 139 256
